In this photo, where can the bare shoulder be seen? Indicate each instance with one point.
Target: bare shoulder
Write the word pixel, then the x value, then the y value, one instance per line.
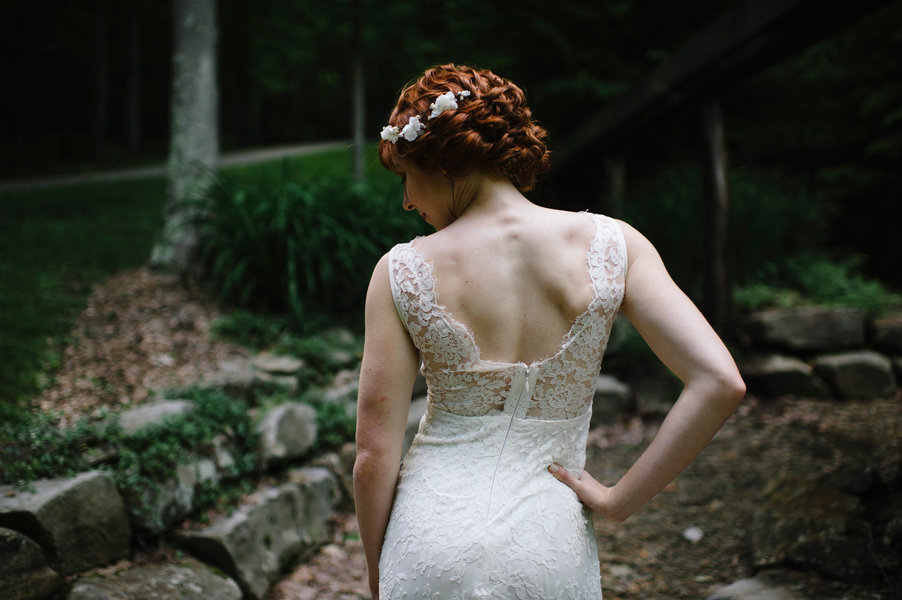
pixel 637 245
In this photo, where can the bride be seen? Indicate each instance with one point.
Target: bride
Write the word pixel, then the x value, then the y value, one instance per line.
pixel 507 309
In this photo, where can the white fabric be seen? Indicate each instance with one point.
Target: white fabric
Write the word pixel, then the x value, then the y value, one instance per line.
pixel 476 514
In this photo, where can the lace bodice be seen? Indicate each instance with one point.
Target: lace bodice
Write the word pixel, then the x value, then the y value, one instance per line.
pixel 461 382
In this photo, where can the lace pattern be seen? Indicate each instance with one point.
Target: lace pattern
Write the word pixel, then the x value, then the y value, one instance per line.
pixel 462 383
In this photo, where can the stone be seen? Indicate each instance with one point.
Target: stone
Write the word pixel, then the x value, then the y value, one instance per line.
pixel 259 541
pixel 24 574
pixel 137 419
pixel 239 378
pixel 804 523
pixel 755 588
pixel 808 328
pixel 613 400
pixel 187 579
pixel 321 493
pixel 414 415
pixel 861 374
pixel 155 510
pixel 286 432
pixel 779 375
pixel 278 365
pixel 79 522
pixel 888 334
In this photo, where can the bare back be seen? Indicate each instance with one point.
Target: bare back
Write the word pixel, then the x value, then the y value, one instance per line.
pixel 518 282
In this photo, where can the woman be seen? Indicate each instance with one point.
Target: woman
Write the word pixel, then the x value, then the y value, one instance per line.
pixel 508 308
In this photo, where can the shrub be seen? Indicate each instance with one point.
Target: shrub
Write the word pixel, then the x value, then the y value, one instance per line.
pixel 304 249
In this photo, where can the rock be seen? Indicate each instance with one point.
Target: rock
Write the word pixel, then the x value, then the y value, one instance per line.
pixel 613 400
pixel 810 328
pixel 343 389
pixel 187 579
pixel 136 419
pixel 888 334
pixel 278 365
pixel 321 493
pixel 414 415
pixel 157 509
pixel 286 432
pixel 862 374
pixel 805 523
pixel 755 588
pixel 241 379
pixel 24 574
pixel 79 523
pixel 419 386
pixel 259 540
pixel 779 375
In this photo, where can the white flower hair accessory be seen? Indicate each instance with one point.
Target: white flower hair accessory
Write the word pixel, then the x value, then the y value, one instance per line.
pixel 390 133
pixel 413 128
pixel 411 131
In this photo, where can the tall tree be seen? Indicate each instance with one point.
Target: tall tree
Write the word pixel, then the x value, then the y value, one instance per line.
pixel 194 136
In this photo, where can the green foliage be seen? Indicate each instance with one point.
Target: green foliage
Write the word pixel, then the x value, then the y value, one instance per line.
pixel 334 423
pixel 304 248
pixel 38 449
pixel 55 244
pixel 814 278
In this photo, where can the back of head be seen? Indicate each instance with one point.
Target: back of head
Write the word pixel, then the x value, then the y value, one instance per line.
pixel 484 125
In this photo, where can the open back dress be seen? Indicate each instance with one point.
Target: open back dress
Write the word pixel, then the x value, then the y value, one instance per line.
pixel 476 513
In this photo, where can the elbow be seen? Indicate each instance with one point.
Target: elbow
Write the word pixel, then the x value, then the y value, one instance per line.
pixel 732 388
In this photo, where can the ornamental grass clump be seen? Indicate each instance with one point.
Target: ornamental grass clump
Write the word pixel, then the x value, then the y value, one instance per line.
pixel 303 249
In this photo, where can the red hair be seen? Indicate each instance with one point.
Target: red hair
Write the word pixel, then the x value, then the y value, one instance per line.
pixel 491 130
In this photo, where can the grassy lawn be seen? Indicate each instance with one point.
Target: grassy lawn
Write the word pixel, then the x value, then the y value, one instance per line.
pixel 55 244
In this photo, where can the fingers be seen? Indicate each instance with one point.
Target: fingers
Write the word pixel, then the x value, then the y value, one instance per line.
pixel 563 475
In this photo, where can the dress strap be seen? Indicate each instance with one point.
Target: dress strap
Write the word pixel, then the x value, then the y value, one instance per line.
pixel 607 259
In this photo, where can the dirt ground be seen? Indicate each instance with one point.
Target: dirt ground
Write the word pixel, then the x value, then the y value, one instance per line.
pixel 142 331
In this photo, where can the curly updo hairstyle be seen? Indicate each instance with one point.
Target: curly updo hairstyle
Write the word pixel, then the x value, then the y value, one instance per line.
pixel 491 130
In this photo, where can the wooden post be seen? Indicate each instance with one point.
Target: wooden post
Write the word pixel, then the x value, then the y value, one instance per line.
pixel 716 211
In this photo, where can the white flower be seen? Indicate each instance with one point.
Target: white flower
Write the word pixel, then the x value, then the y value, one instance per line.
pixel 463 94
pixel 413 128
pixel 390 133
pixel 444 102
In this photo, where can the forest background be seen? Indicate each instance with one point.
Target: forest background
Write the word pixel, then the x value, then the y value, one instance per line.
pixel 814 141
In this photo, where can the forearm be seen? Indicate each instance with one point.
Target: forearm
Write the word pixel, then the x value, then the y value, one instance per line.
pixel 698 414
pixel 375 478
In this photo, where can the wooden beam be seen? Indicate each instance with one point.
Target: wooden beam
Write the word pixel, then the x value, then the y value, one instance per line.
pixel 745 40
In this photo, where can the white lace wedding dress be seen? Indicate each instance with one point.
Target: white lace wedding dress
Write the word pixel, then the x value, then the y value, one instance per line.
pixel 476 514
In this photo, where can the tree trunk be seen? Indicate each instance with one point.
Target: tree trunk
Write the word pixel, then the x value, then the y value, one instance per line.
pixel 716 207
pixel 358 94
pixel 100 78
pixel 133 123
pixel 194 138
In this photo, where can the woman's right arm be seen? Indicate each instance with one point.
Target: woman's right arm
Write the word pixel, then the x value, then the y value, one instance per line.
pixel 684 341
pixel 387 373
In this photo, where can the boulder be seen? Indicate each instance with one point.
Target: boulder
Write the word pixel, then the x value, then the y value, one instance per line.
pixel 861 374
pixel 136 419
pixel 286 432
pixel 755 588
pixel 888 334
pixel 259 540
pixel 805 523
pixel 187 579
pixel 24 574
pixel 807 329
pixel 414 415
pixel 277 365
pixel 321 493
pixel 241 379
pixel 79 523
pixel 778 375
pixel 613 400
pixel 155 510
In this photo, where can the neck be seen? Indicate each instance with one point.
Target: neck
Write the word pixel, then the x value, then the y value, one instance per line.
pixel 480 193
